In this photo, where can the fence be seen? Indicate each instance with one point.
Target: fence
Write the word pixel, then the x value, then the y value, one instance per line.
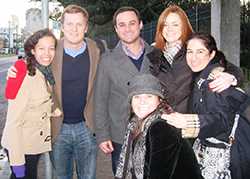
pixel 199 19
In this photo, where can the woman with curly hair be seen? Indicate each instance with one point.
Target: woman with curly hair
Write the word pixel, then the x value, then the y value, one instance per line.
pixel 27 130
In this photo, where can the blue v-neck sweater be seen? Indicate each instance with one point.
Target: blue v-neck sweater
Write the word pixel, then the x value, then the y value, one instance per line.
pixel 75 75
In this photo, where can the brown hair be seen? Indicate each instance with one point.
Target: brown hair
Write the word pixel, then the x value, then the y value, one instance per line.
pixel 73 9
pixel 186 26
pixel 125 9
pixel 30 44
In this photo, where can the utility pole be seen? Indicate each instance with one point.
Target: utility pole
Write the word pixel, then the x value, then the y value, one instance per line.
pixel 45 19
pixel 45 13
pixel 225 27
pixel 9 37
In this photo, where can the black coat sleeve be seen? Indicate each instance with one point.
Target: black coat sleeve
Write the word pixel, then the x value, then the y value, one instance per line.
pixel 217 112
pixel 162 150
pixel 236 71
pixel 168 155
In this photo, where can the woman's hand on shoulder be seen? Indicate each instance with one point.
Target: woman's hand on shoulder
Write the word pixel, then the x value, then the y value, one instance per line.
pixel 181 121
pixel 222 81
pixel 175 119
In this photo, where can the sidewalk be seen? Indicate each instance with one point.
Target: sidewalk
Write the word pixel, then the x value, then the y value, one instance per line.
pixel 104 170
pixel 103 167
pixel 4 166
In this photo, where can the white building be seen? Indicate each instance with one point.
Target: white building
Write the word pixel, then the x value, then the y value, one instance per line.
pixel 33 21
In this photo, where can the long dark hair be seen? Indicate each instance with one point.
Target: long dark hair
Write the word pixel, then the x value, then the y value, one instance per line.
pixel 163 107
pixel 30 44
pixel 210 44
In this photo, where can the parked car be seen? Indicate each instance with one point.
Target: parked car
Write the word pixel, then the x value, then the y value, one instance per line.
pixel 20 53
pixel 4 51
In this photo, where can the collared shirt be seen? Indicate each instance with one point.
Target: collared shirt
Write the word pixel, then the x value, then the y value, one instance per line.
pixel 131 54
pixel 73 53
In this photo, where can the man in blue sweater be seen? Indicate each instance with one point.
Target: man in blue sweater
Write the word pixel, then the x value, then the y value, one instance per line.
pixel 74 69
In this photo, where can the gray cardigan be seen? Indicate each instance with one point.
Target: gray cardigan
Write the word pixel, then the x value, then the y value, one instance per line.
pixel 111 93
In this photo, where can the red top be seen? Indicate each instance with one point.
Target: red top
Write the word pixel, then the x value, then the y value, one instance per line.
pixel 13 84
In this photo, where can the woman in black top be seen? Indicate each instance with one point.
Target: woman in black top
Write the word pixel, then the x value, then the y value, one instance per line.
pixel 152 148
pixel 168 61
pixel 214 113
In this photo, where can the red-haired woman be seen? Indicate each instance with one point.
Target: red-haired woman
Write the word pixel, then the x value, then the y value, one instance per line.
pixel 168 61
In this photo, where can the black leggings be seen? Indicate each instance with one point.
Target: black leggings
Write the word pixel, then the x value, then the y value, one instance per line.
pixel 31 162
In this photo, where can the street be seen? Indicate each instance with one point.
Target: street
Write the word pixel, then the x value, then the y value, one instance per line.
pixel 5 63
pixel 103 162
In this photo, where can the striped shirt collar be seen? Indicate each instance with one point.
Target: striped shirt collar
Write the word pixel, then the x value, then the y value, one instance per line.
pixel 131 54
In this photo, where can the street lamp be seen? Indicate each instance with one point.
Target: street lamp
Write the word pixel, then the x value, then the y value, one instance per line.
pixel 9 35
pixel 45 19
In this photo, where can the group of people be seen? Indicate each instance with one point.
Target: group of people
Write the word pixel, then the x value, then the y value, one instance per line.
pixel 137 102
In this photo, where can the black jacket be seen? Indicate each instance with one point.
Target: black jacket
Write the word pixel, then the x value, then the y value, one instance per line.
pixel 177 79
pixel 168 155
pixel 216 113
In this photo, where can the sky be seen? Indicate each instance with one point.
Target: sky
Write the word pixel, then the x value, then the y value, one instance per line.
pixel 18 8
pixel 14 7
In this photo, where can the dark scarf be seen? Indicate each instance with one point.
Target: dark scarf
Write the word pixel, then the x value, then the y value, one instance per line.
pixel 47 72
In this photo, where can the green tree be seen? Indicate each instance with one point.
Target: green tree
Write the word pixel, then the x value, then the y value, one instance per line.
pixel 101 11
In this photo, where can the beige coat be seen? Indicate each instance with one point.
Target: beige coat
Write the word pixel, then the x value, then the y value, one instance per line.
pixel 27 128
pixel 94 54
